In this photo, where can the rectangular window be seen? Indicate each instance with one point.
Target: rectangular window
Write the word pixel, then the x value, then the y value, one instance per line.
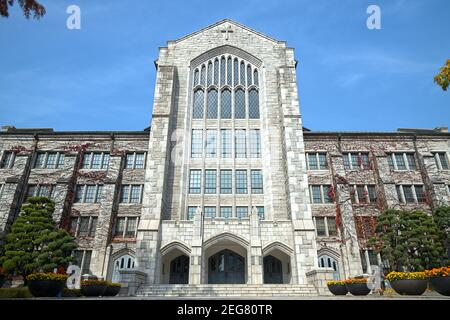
pixel 408 193
pixel 320 226
pixel 241 212
pixel 225 142
pixel 441 161
pixel 420 194
pixel 226 212
pixel 7 160
pixel 402 161
pixel 261 212
pixel 317 161
pixel 255 143
pixel 195 181
pixel 401 165
pixel 191 212
pixel 95 160
pixel 241 181
pixel 257 181
pixel 49 160
pixel 320 194
pixel 79 195
pixel 372 194
pixel 125 194
pixel 135 160
pixel 315 194
pixel 197 143
pixel 131 227
pixel 130 161
pixel 326 191
pixel 332 230
pixel 90 194
pixel 211 143
pixel 86 262
pixel 73 226
pixel 356 161
pixel 40 161
pixel 120 227
pixel 240 143
pixel 43 190
pixel 210 181
pixel 131 193
pixel 226 182
pixel 83 230
pixel 93 227
pixel 411 160
pixel 210 212
pixel 135 195
pixel 78 257
pixel 361 192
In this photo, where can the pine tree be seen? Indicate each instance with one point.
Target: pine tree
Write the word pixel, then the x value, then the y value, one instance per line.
pixel 35 243
pixel 409 240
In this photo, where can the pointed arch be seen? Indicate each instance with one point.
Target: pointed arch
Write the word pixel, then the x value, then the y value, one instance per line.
pixel 224 237
pixel 173 245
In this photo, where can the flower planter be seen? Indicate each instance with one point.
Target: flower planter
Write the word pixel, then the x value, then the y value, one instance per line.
pixel 410 287
pixel 95 290
pixel 45 288
pixel 111 291
pixel 338 289
pixel 358 289
pixel 441 285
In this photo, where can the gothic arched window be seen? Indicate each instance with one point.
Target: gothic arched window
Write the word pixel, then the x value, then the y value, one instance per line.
pixel 236 72
pixel 216 72
pixel 197 112
pixel 202 76
pixel 242 80
pixel 125 262
pixel 196 77
pixel 225 104
pixel 212 104
pixel 326 261
pixel 249 75
pixel 229 72
pixel 255 77
pixel 222 71
pixel 209 78
pixel 239 105
pixel 253 104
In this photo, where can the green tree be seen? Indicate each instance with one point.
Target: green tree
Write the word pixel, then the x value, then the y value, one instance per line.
pixel 409 240
pixel 442 218
pixel 35 243
pixel 443 78
pixel 28 7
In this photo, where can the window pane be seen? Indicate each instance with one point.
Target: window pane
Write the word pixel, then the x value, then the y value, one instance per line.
pixel 240 143
pixel 61 160
pixel 135 194
pixel 320 226
pixel 249 75
pixel 236 72
pixel 39 160
pixel 124 194
pixel 216 71
pixel 257 181
pixel 87 262
pixel 312 161
pixel 225 142
pixel 73 225
pixel 323 161
pixel 241 181
pixel 444 161
pixel 196 78
pixel 315 192
pixel 346 161
pixel 399 194
pixel 255 77
pixel 90 194
pixel 212 104
pixel 400 161
pixel 331 222
pixel 87 160
pixel 222 70
pixel 203 75
pixel 390 161
pixel 197 112
pixel 210 212
pixel 356 164
pixel 120 227
pixel 229 71
pixel 225 104
pixel 131 228
pixel 197 143
pixel 195 181
pixel 211 143
pixel 225 212
pixel 51 160
pixel 419 193
pixel 130 161
pixel 105 162
pixel 242 70
pixel 407 191
pixel 239 105
pixel 93 227
pixel 361 194
pixel 7 160
pixel 84 227
pixel 260 212
pixel 209 77
pixel 79 193
pixel 255 143
pixel 225 181
pixel 140 158
pixel 372 194
pixel 44 191
pixel 326 198
pixel 411 161
pixel 210 181
pixel 241 212
pixel 253 104
pixel 96 159
pixel 191 212
pixel 77 257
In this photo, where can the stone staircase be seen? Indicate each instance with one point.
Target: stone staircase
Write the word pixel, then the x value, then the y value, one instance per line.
pixel 227 290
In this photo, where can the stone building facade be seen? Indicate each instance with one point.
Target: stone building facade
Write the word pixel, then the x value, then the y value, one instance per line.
pixel 227 187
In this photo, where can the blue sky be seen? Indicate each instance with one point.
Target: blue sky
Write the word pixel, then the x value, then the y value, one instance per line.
pixel 102 77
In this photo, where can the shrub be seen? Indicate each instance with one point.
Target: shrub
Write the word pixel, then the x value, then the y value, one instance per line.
pixel 336 283
pixel 406 276
pixel 47 276
pixel 94 283
pixel 355 280
pixel 438 272
pixel 20 292
pixel 71 293
pixel 114 284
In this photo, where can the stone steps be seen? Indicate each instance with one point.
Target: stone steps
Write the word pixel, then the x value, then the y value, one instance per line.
pixel 225 290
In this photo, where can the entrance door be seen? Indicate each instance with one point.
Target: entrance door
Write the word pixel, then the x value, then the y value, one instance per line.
pixel 226 266
pixel 179 270
pixel 273 270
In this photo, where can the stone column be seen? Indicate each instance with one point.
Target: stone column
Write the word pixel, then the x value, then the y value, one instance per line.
pixel 195 267
pixel 256 262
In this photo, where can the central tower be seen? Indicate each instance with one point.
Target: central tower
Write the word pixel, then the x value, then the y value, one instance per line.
pixel 226 195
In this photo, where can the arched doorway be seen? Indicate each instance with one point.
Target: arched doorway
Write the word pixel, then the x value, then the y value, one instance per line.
pixel 226 267
pixel 179 270
pixel 125 262
pixel 273 270
pixel 326 261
